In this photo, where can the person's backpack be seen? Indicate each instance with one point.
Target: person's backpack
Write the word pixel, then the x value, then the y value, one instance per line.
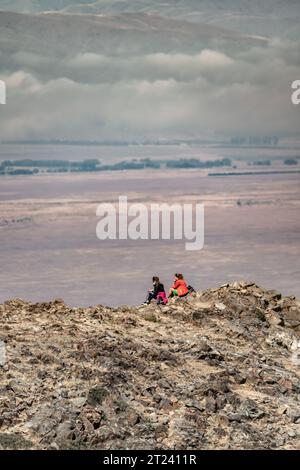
pixel 190 289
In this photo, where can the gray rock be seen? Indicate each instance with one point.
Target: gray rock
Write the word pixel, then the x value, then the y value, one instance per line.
pixel 294 415
pixel 200 377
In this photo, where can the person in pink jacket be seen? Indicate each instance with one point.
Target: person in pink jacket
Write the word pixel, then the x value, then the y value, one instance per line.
pixel 157 292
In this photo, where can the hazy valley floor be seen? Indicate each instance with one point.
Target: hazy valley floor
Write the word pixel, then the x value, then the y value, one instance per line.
pixel 48 244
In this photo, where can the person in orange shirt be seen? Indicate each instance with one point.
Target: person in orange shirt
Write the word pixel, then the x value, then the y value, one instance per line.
pixel 179 287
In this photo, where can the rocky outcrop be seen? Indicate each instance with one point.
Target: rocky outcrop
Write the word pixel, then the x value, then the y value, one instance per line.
pixel 216 370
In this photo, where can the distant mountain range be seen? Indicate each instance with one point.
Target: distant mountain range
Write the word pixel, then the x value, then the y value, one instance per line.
pixel 255 17
pixel 63 35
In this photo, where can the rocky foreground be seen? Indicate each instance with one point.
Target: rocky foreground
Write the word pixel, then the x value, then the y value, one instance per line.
pixel 217 370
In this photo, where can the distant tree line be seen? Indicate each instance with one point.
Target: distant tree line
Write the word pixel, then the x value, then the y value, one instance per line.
pixel 195 163
pixel 291 161
pixel 254 140
pixel 30 167
pixel 262 163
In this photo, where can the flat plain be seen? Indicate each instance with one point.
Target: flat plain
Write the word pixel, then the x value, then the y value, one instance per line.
pixel 49 248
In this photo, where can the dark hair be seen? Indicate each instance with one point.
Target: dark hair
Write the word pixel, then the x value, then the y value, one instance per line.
pixel 155 279
pixel 179 275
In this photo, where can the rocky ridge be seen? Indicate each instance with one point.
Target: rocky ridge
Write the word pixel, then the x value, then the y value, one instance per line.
pixel 216 370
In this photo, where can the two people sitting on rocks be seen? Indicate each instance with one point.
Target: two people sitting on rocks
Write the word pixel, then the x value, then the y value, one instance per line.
pixel 179 288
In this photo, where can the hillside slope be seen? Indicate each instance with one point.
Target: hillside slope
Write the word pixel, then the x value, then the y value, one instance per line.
pixel 213 371
pixel 64 35
pixel 271 17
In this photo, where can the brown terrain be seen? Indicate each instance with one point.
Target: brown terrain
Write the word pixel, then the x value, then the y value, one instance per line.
pixel 216 370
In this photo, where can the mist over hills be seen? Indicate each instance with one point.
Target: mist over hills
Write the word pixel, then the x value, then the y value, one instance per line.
pixel 139 70
pixel 124 33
